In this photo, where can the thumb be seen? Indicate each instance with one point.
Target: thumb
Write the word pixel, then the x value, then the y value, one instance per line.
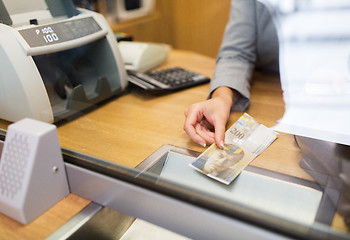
pixel 220 134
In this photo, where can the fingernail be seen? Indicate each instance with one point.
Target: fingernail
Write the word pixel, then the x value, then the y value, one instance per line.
pixel 222 143
pixel 204 144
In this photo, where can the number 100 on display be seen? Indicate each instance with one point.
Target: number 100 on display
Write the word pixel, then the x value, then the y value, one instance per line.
pixel 49 36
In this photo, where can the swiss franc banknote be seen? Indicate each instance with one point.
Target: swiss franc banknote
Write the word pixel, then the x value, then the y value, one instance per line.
pixel 244 141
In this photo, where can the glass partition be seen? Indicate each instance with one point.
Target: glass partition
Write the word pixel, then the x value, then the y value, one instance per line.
pixel 281 203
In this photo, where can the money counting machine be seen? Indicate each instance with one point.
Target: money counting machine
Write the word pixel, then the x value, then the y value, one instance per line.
pixel 56 60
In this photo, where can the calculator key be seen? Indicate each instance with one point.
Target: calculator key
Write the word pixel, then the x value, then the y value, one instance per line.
pixel 151 80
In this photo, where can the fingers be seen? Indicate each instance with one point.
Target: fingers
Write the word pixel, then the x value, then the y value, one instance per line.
pixel 186 112
pixel 193 117
pixel 205 117
pixel 208 125
pixel 192 133
pixel 203 131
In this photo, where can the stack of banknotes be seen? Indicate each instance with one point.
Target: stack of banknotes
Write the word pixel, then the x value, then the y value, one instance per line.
pixel 244 141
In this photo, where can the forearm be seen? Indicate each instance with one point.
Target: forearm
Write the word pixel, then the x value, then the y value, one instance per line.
pixel 235 62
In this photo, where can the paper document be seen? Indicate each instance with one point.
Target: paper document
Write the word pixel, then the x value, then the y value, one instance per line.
pixel 244 141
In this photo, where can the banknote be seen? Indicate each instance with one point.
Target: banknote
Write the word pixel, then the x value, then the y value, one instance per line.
pixel 244 141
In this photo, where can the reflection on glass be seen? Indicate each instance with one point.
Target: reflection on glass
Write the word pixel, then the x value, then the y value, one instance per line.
pixel 314 63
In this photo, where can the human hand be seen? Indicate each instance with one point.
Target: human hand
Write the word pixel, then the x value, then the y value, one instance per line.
pixel 204 117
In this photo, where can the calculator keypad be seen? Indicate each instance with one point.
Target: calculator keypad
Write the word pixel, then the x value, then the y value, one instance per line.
pixel 168 79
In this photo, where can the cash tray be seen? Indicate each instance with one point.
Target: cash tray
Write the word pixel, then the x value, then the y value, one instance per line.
pixel 280 195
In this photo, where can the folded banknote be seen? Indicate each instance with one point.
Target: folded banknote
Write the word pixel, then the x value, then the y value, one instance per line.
pixel 244 141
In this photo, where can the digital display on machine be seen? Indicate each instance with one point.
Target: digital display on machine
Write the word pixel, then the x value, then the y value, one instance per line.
pixel 60 32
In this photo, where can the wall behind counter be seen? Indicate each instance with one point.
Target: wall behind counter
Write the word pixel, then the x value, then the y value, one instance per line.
pixel 196 25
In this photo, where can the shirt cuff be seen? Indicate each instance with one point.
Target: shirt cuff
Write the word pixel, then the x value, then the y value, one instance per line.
pixel 234 75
